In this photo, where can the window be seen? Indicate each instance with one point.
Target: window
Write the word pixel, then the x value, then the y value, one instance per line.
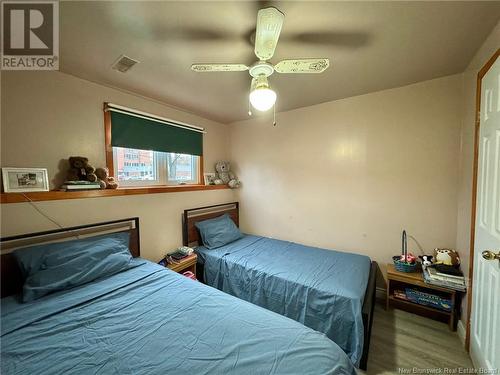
pixel 147 150
pixel 151 168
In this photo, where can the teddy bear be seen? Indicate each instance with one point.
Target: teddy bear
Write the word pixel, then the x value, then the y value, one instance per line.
pixel 446 256
pixel 225 176
pixel 105 180
pixel 80 170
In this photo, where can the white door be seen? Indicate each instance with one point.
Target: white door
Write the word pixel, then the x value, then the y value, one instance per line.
pixel 485 319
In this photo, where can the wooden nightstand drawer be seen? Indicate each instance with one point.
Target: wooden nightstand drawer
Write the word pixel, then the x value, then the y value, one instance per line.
pixel 186 264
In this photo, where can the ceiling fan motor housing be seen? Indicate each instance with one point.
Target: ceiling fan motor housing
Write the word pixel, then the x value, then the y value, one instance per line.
pixel 260 82
pixel 261 68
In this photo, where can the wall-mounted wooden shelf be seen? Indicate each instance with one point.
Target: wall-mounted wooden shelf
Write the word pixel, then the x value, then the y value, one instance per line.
pixel 58 195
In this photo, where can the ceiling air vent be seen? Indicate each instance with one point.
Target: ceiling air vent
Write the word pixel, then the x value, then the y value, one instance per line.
pixel 124 63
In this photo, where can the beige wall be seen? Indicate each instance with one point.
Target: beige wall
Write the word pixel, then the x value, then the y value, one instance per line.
pixel 351 174
pixel 467 148
pixel 48 116
pixel 160 215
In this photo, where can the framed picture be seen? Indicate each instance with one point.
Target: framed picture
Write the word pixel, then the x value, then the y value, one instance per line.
pixel 209 178
pixel 22 180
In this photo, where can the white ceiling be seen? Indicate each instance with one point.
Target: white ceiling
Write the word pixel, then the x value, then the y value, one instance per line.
pixel 371 45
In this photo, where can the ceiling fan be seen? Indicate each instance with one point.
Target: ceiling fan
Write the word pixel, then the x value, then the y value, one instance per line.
pixel 262 97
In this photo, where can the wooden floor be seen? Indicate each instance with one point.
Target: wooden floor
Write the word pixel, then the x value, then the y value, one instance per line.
pixel 401 340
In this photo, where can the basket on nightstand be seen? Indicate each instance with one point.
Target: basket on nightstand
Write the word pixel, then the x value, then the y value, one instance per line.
pixel 402 266
pixel 402 262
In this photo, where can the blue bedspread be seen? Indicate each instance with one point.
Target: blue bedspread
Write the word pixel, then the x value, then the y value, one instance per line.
pixel 150 320
pixel 322 289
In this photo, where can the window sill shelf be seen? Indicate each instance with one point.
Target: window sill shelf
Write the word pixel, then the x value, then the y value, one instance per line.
pixel 59 195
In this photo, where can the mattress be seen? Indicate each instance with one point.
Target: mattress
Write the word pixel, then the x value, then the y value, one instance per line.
pixel 322 289
pixel 150 320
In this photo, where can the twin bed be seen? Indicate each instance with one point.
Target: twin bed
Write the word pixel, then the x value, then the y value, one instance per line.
pixel 147 319
pixel 329 291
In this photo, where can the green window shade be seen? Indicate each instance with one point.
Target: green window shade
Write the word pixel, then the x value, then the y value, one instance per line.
pixel 143 134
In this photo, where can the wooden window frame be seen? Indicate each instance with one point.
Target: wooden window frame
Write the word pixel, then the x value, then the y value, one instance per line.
pixel 110 159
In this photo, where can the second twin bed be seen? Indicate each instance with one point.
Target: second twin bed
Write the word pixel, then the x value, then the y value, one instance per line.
pixel 329 291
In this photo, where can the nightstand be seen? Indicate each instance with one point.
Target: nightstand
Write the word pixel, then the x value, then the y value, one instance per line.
pixel 400 280
pixel 186 264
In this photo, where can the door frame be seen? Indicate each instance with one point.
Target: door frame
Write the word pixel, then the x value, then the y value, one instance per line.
pixel 480 76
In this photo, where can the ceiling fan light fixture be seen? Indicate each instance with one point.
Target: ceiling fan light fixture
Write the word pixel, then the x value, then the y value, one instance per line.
pixel 262 97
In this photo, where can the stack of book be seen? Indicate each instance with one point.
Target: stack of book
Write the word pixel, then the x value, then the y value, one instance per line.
pixel 80 185
pixel 398 293
pixel 445 280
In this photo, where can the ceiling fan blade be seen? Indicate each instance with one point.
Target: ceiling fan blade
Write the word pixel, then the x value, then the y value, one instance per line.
pixel 302 66
pixel 338 39
pixel 269 23
pixel 219 67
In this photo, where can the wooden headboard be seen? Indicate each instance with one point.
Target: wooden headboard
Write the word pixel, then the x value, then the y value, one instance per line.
pixel 11 278
pixel 190 234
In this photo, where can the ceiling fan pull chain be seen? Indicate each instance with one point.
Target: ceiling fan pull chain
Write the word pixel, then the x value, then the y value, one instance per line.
pixel 274 114
pixel 249 108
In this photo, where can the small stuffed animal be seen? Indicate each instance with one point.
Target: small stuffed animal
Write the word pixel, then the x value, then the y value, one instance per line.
pixel 80 170
pixel 104 179
pixel 446 256
pixel 426 260
pixel 225 176
pixel 410 258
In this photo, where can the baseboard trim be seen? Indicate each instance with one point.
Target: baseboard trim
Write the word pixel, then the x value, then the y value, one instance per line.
pixel 461 332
